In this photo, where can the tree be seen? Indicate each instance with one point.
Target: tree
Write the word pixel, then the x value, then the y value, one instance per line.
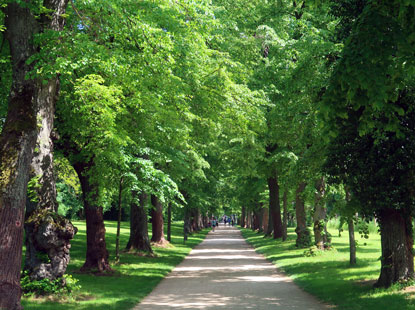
pixel 373 112
pixel 18 137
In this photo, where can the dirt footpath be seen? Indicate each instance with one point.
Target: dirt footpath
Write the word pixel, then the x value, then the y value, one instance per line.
pixel 224 272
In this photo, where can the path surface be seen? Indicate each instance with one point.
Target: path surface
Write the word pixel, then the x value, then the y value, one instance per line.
pixel 224 272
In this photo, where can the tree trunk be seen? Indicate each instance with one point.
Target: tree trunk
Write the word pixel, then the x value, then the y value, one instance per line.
pixel 96 248
pixel 319 215
pixel 274 205
pixel 261 212
pixel 47 233
pixel 397 262
pixel 265 219
pixel 270 225
pixel 352 242
pixel 18 139
pixel 243 216
pixel 117 239
pixel 139 240
pixel 169 223
pixel 186 224
pixel 284 216
pixel 157 221
pixel 303 234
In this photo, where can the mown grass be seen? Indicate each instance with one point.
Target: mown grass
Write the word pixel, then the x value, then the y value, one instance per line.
pixel 134 278
pixel 328 275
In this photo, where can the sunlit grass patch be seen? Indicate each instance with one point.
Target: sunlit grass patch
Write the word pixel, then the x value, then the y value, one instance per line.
pixel 329 276
pixel 133 279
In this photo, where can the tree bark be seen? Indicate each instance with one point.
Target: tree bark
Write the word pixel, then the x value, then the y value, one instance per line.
pixel 139 240
pixel 169 223
pixel 397 263
pixel 352 242
pixel 284 216
pixel 319 215
pixel 303 234
pixel 261 213
pixel 265 220
pixel 117 239
pixel 270 225
pixel 96 248
pixel 157 221
pixel 17 140
pixel 274 205
pixel 243 217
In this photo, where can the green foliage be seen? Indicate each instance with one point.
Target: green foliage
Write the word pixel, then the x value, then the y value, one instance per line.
pixel 63 286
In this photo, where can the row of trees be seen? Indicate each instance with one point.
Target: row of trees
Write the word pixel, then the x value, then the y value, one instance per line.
pixel 195 105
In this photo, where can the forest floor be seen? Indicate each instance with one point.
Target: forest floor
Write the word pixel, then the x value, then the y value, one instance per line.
pixel 225 272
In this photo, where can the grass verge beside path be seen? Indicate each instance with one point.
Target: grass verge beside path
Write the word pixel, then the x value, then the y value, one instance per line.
pixel 135 276
pixel 328 275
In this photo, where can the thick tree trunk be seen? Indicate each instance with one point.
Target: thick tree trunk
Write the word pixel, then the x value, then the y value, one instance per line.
pixel 274 205
pixel 17 141
pixel 284 216
pixel 243 217
pixel 352 242
pixel 139 240
pixel 47 233
pixel 319 215
pixel 303 234
pixel 397 262
pixel 157 221
pixel 96 248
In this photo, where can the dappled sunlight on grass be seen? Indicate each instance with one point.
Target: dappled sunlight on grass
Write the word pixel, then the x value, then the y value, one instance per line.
pixel 329 276
pixel 134 277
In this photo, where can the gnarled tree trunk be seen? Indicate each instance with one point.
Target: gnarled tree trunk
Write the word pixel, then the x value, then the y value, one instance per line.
pixel 18 139
pixel 397 263
pixel 303 234
pixel 96 249
pixel 139 240
pixel 274 205
pixel 157 221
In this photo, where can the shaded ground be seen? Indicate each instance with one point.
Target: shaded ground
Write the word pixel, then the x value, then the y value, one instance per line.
pixel 224 272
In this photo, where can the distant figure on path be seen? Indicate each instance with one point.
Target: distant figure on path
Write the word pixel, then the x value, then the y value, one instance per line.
pixel 214 223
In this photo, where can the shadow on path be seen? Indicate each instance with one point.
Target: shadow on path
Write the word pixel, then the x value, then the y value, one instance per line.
pixel 224 272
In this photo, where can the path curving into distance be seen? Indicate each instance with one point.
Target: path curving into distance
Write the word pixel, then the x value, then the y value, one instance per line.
pixel 225 272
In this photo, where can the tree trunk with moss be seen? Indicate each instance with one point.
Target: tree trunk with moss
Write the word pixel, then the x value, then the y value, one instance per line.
pixel 157 221
pixel 303 233
pixel 96 259
pixel 139 240
pixel 18 137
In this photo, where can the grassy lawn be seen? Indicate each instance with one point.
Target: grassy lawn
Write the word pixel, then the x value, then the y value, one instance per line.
pixel 135 277
pixel 329 276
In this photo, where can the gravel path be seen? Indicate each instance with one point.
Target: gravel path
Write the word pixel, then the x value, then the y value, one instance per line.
pixel 224 272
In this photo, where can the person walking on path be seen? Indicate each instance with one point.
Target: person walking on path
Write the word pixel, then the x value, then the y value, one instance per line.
pixel 213 224
pixel 250 281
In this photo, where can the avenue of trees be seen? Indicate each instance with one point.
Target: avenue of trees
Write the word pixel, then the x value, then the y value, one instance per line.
pixel 181 109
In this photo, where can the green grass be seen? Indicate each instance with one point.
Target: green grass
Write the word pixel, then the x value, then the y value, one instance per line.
pixel 329 276
pixel 135 277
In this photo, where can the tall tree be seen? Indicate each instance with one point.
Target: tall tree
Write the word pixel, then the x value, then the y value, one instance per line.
pixel 18 137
